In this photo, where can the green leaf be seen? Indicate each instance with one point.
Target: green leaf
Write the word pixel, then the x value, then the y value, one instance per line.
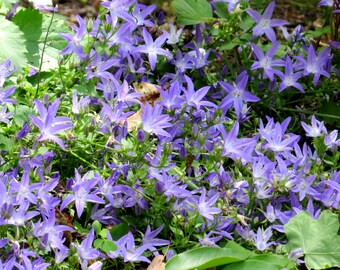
pixel 190 12
pixel 6 5
pixel 30 22
pixel 5 143
pixel 252 264
pixel 12 44
pixel 236 247
pixel 205 257
pixel 108 246
pixel 318 238
pixel 97 226
pixel 97 243
pixel 21 114
pixel 42 30
pixel 120 230
pixel 222 10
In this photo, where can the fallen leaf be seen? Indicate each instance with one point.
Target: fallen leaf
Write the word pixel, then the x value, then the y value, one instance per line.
pixel 157 263
pixel 150 92
pixel 134 121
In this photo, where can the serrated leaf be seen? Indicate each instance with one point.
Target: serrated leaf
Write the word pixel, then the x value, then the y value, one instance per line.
pixel 21 114
pixel 5 143
pixel 40 29
pixel 12 44
pixel 190 12
pixel 30 22
pixel 205 257
pixel 319 238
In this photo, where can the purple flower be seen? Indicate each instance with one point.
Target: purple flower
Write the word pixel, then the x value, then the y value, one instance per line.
pixel 150 240
pixel 232 4
pixel 21 215
pixel 5 72
pixel 171 98
pixel 127 249
pixel 75 39
pixel 153 48
pixel 116 8
pixel 237 94
pixel 124 95
pixel 265 22
pixel 232 145
pixel 266 61
pixel 205 208
pixel 85 250
pixel 98 67
pixel 332 141
pixel 200 57
pixel 23 131
pixel 316 130
pixel 194 98
pixel 315 64
pixel 302 186
pixel 137 17
pixel 183 63
pixel 154 121
pixel 262 237
pixel 78 106
pixel 4 116
pixel 82 194
pixel 276 139
pixel 174 35
pixel 51 234
pixel 328 3
pixel 210 241
pixel 50 124
pixel 24 189
pixel 289 78
pixel 5 94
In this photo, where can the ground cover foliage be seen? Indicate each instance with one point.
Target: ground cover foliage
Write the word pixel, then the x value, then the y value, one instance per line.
pixel 130 141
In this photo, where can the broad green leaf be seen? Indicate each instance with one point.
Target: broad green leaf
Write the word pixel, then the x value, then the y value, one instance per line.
pixel 12 44
pixel 222 10
pixel 97 243
pixel 263 262
pixel 205 257
pixel 97 226
pixel 319 239
pixel 30 23
pixel 5 143
pixel 192 11
pixel 108 246
pixel 21 114
pixel 42 34
pixel 236 247
pixel 120 230
pixel 6 5
pixel 252 264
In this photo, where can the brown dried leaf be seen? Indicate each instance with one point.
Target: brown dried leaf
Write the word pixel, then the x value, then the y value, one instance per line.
pixel 150 92
pixel 157 263
pixel 134 121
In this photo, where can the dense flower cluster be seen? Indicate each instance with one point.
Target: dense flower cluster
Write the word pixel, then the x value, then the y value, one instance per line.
pixel 179 163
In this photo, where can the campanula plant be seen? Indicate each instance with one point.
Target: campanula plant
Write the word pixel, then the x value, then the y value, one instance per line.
pixel 136 141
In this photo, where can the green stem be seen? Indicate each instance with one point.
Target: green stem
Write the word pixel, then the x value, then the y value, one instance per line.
pixel 42 54
pixel 309 112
